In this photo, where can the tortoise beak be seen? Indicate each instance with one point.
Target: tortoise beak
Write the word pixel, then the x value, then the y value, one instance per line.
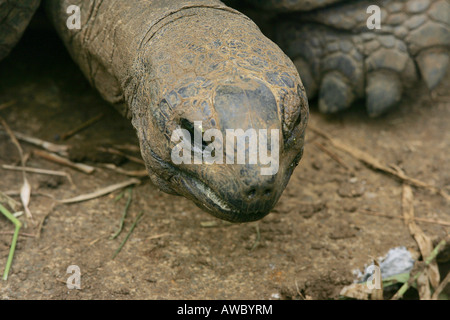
pixel 250 204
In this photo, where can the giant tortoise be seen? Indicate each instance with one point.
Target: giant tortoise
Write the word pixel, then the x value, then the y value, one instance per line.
pixel 199 65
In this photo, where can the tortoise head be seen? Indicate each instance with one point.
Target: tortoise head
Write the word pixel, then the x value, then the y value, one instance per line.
pixel 221 119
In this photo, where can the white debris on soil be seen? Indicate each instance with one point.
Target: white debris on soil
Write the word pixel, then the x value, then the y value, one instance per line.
pixel 275 296
pixel 398 260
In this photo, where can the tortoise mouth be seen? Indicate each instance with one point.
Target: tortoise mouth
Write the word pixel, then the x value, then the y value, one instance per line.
pixel 207 199
pixel 189 186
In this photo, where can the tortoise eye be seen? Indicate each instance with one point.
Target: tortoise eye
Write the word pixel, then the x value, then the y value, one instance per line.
pixel 299 117
pixel 296 113
pixel 189 126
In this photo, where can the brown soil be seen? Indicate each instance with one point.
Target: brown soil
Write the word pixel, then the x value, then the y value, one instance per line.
pixel 309 245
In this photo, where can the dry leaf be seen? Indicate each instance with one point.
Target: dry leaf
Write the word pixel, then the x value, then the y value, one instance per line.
pixel 49 146
pixel 423 241
pixel 25 194
pixel 423 286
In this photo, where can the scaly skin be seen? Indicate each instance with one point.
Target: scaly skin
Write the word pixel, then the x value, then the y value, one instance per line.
pixel 341 60
pixel 292 5
pixel 166 64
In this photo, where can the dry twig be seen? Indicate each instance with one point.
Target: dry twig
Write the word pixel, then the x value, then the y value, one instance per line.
pixel 423 241
pixel 64 161
pixel 377 164
pixel 332 155
pixel 128 147
pixel 49 146
pixel 441 287
pixel 81 127
pixel 35 170
pixel 101 192
pixel 417 219
pixel 41 171
pixel 120 153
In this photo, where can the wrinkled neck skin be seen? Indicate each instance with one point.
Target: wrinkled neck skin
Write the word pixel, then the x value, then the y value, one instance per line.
pixel 169 66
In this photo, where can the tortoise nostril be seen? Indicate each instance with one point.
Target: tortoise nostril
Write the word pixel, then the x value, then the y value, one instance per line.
pixel 251 193
pixel 260 192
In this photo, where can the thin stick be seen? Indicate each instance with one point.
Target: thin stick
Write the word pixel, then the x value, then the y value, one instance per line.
pixel 52 147
pixel 41 171
pixel 17 225
pixel 298 291
pixel 13 204
pixel 22 234
pixel 35 170
pixel 440 222
pixel 14 193
pixel 26 157
pixel 134 173
pixel 441 287
pixel 125 211
pixel 127 147
pixel 128 235
pixel 63 161
pixel 157 236
pixel 332 155
pixel 120 153
pixel 423 241
pixel 41 225
pixel 81 127
pixel 101 192
pixel 13 139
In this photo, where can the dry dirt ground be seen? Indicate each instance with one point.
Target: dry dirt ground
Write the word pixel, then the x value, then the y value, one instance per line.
pixel 319 232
